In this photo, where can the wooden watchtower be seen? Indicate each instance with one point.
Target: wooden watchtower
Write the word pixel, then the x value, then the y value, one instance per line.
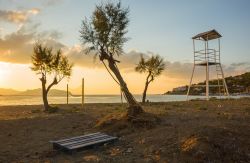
pixel 207 56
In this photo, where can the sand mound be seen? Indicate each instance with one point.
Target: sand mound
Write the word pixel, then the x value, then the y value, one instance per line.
pixel 125 123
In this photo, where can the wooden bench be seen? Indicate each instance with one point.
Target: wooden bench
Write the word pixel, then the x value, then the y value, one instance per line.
pixel 82 142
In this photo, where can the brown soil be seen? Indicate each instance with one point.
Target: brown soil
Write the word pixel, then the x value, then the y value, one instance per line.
pixel 195 131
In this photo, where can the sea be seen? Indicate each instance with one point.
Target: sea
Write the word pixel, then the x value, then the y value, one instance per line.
pixel 37 100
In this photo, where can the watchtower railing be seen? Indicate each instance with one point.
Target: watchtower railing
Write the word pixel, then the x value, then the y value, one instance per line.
pixel 208 55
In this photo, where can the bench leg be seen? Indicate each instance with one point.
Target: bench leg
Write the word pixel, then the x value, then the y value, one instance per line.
pixel 56 146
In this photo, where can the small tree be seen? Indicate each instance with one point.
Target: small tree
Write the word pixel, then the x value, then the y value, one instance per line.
pixel 153 67
pixel 45 63
pixel 105 34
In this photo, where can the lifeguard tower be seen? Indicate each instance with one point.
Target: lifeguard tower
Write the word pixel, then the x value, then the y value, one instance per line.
pixel 206 56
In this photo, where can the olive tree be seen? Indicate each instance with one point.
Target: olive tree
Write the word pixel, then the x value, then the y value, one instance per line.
pixel 153 66
pixel 104 34
pixel 46 62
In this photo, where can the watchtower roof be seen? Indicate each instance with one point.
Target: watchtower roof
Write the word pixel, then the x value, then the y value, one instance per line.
pixel 209 35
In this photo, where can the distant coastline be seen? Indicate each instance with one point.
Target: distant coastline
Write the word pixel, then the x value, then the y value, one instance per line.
pixel 237 85
pixel 32 92
pixel 37 100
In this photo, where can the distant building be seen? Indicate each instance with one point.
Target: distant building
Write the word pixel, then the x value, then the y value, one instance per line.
pixel 248 90
pixel 198 89
pixel 180 89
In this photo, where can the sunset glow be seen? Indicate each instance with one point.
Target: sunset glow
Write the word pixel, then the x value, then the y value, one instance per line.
pixel 124 81
pixel 24 22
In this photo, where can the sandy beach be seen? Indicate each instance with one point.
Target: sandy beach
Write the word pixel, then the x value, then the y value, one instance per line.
pixel 194 131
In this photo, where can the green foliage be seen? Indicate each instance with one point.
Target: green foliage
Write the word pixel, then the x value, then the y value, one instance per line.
pixel 53 109
pixel 154 66
pixel 106 30
pixel 42 59
pixel 44 62
pixel 235 84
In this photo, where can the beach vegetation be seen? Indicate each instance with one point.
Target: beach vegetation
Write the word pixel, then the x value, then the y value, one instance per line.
pixel 46 62
pixel 153 67
pixel 104 35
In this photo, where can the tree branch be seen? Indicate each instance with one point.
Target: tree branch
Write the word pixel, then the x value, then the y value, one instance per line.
pixel 53 83
pixel 60 79
pixel 152 78
pixel 149 74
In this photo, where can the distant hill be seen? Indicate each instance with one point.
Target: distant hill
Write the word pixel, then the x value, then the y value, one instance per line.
pixel 4 91
pixel 239 84
pixel 33 92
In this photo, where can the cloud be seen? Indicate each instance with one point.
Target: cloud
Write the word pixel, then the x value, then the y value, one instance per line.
pixel 177 71
pixel 52 2
pixel 1 30
pixel 34 11
pixel 182 71
pixel 239 64
pixel 131 59
pixel 17 47
pixel 127 61
pixel 237 68
pixel 18 17
pixel 77 55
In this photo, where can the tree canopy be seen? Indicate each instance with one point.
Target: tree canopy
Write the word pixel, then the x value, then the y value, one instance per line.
pixel 46 62
pixel 153 66
pixel 107 28
pixel 105 33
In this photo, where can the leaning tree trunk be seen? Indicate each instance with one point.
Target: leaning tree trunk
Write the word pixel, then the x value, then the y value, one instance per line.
pixel 45 97
pixel 145 93
pixel 133 109
pixel 145 89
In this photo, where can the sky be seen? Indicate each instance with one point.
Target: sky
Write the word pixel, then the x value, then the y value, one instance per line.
pixel 163 27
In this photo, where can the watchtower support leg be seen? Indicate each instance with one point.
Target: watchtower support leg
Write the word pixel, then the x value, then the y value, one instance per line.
pixel 224 82
pixel 190 81
pixel 207 70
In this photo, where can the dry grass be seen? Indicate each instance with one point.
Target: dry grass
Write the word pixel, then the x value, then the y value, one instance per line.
pixel 195 131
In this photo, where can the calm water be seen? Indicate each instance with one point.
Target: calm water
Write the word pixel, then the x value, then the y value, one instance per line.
pixel 36 100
